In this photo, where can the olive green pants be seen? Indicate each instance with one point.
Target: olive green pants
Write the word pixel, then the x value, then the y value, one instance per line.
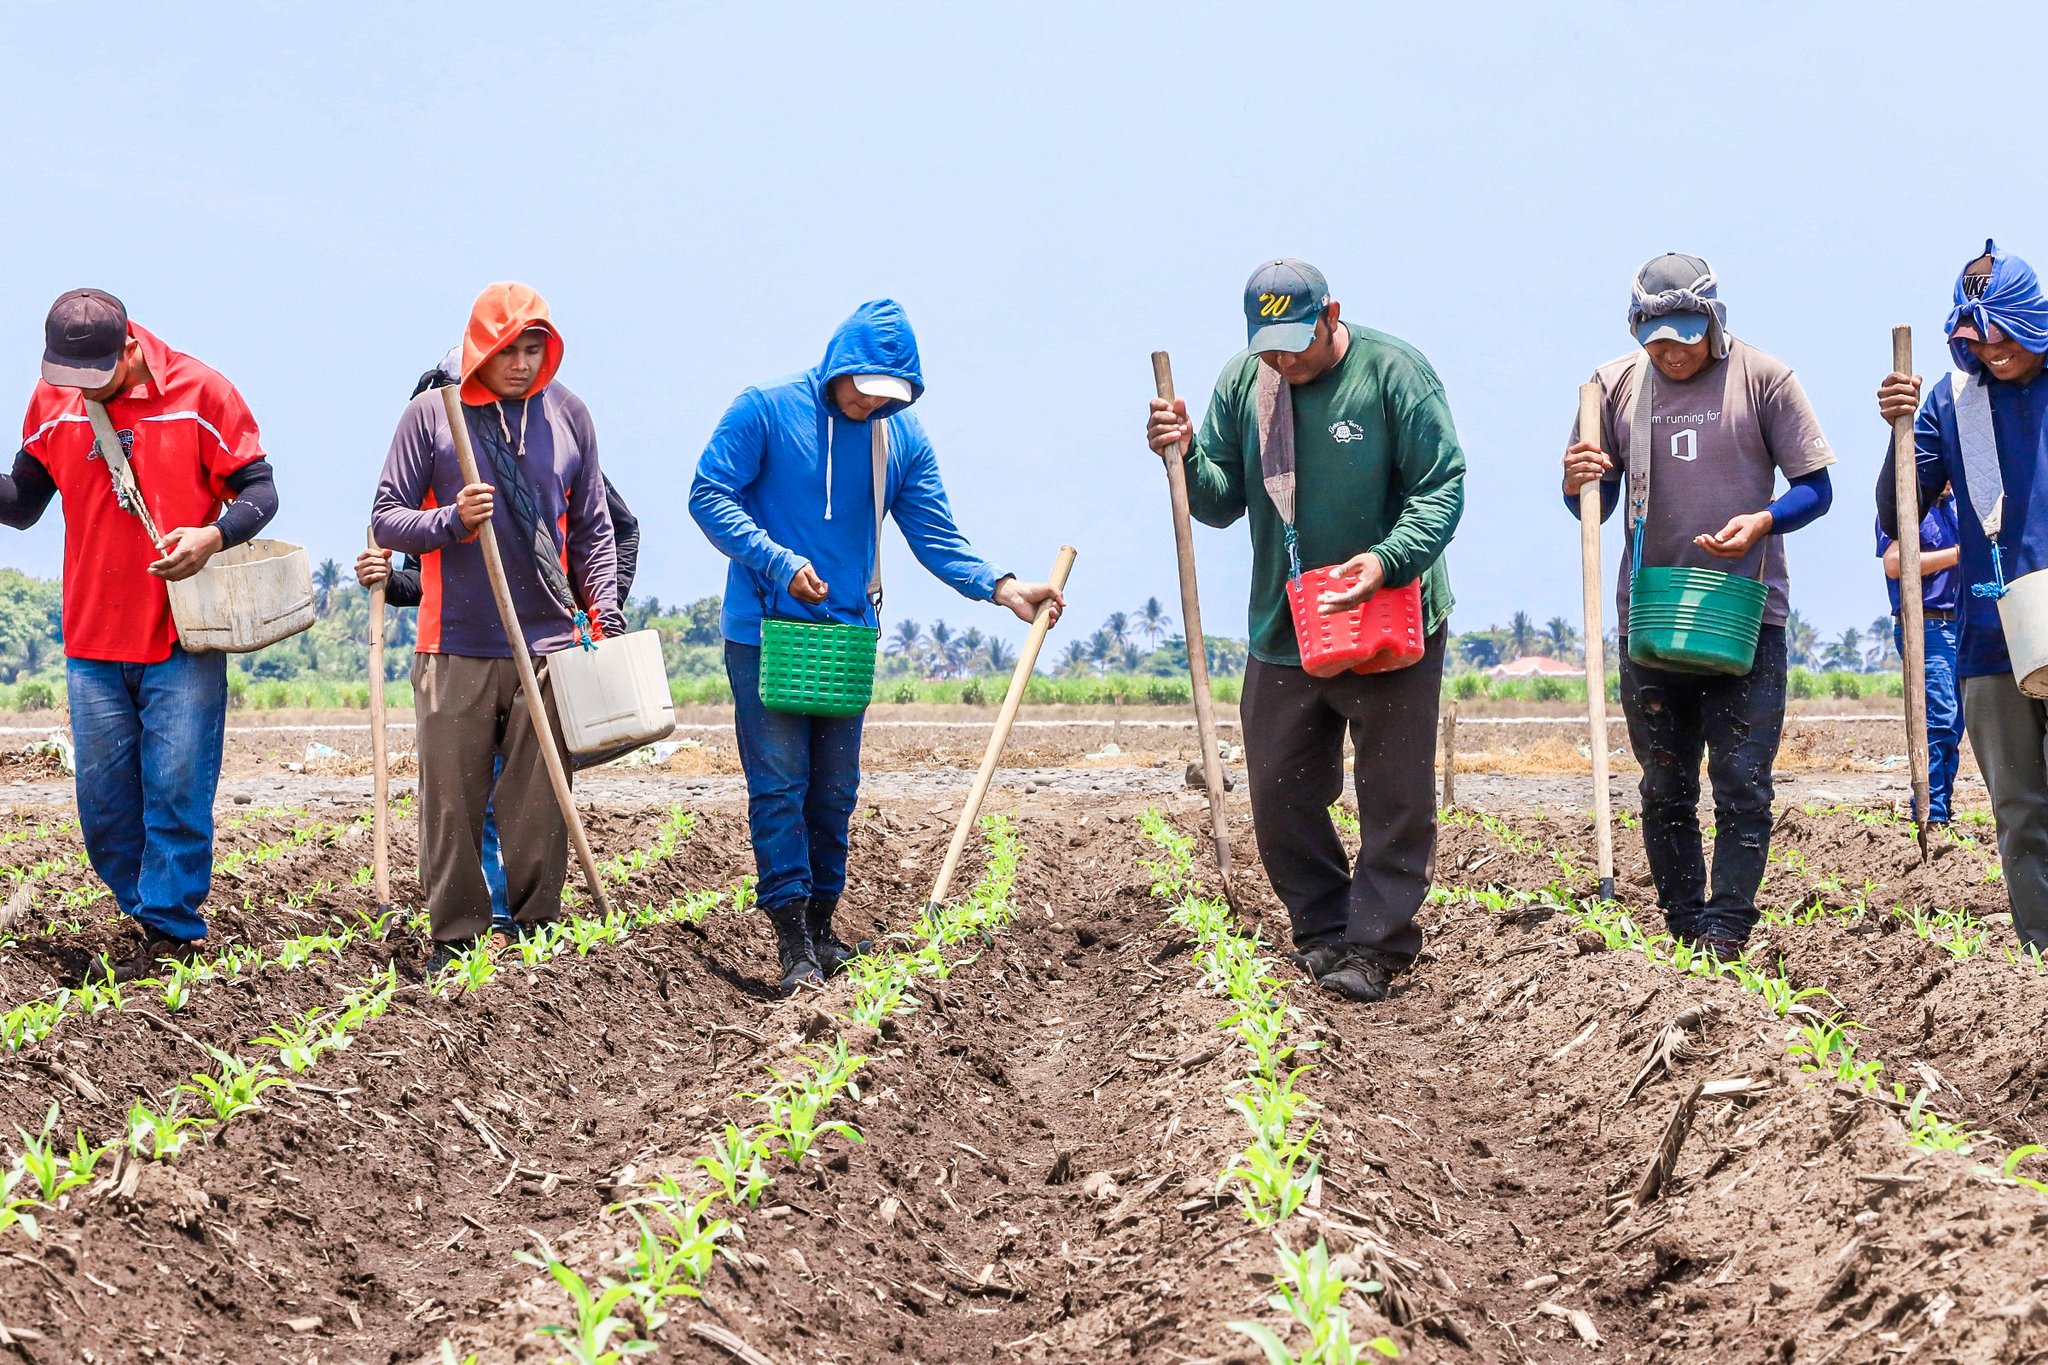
pixel 470 711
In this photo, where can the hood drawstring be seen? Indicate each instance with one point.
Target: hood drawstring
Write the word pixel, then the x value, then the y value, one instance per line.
pixel 828 463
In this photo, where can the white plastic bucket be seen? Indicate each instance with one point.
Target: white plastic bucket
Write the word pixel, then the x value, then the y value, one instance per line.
pixel 247 597
pixel 613 695
pixel 2023 612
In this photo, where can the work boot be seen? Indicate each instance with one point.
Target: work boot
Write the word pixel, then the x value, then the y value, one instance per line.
pixel 832 953
pixel 1318 956
pixel 793 945
pixel 1362 975
pixel 444 955
pixel 145 959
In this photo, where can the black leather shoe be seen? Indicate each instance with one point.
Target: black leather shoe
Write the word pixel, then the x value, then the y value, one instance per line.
pixel 832 953
pixel 1363 976
pixel 1317 958
pixel 793 946
pixel 145 959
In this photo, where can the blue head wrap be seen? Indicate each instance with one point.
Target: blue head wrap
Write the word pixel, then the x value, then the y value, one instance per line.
pixel 2012 302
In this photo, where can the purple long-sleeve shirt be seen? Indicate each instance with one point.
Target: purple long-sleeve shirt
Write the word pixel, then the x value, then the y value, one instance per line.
pixel 415 513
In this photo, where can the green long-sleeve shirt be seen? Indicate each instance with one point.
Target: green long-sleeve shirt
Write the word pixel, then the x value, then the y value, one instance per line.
pixel 1377 467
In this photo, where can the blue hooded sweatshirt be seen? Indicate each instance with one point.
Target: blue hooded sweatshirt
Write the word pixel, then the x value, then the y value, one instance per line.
pixel 2015 302
pixel 787 480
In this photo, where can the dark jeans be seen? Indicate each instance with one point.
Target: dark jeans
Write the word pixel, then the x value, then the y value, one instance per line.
pixel 1672 718
pixel 148 742
pixel 803 777
pixel 1944 715
pixel 1294 727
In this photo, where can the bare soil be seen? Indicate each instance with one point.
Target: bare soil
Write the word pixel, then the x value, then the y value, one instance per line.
pixel 1474 1132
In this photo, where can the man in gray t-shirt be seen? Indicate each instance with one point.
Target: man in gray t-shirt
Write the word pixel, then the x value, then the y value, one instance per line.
pixel 1725 420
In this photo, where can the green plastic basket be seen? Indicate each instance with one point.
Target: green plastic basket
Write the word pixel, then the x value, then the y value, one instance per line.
pixel 817 668
pixel 1694 620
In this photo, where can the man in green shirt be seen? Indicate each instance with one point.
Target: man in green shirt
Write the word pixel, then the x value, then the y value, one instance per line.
pixel 1378 487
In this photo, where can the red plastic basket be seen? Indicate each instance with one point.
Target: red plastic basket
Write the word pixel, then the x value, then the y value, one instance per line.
pixel 1378 635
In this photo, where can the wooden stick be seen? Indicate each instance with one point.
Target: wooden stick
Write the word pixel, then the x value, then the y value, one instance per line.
pixel 1020 678
pixel 536 705
pixel 1912 628
pixel 380 749
pixel 1449 741
pixel 1191 624
pixel 1596 643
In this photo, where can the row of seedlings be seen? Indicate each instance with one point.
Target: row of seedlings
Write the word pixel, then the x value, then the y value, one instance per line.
pixel 1274 1173
pixel 683 1220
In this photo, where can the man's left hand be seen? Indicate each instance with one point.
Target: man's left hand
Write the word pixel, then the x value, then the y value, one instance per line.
pixel 186 550
pixel 1371 576
pixel 1738 537
pixel 1024 599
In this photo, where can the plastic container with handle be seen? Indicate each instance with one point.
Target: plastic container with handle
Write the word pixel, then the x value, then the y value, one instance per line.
pixel 246 597
pixel 614 694
pixel 1380 634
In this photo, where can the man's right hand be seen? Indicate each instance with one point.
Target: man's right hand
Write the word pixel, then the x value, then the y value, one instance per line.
pixel 373 567
pixel 474 505
pixel 807 587
pixel 1168 427
pixel 1898 396
pixel 1583 463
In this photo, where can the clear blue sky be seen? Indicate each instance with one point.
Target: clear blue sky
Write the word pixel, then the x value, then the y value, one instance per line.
pixel 308 197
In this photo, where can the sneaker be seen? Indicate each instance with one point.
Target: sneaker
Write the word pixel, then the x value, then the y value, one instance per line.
pixel 1361 975
pixel 1317 958
pixel 832 954
pixel 793 948
pixel 143 960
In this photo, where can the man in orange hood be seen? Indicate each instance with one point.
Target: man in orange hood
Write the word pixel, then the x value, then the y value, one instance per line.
pixel 543 492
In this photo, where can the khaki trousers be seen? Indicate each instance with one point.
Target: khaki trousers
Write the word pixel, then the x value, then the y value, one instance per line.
pixel 469 712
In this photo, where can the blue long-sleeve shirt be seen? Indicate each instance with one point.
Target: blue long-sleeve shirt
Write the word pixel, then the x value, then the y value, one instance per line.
pixel 787 480
pixel 2019 420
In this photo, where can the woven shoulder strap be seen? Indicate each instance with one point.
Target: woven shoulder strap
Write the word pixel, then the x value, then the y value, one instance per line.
pixel 1980 450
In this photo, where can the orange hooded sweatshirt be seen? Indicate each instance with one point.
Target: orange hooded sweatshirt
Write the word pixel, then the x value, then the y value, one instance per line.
pixel 500 315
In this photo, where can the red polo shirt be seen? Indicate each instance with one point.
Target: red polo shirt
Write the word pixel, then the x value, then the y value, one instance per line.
pixel 185 431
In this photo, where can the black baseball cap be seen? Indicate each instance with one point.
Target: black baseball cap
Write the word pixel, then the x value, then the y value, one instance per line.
pixel 83 338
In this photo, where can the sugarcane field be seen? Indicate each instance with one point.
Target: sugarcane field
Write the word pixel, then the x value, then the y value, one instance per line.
pixel 811 685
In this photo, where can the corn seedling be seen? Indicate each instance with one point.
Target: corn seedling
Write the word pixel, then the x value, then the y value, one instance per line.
pixel 734 1164
pixel 1312 1294
pixel 589 1340
pixel 233 1092
pixel 159 1136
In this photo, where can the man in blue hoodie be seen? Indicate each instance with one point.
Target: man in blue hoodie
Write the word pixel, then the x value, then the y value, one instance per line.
pixel 1983 428
pixel 786 491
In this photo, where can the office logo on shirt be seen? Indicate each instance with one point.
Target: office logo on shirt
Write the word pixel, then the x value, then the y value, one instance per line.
pixel 1346 431
pixel 1685 444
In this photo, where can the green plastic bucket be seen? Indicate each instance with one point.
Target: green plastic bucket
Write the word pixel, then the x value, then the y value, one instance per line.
pixel 817 668
pixel 1694 620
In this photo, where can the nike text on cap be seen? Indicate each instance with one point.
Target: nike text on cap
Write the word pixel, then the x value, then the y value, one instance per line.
pixel 1281 303
pixel 83 338
pixel 883 386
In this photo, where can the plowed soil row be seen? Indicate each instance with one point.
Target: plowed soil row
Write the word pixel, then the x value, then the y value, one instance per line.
pixel 1043 1138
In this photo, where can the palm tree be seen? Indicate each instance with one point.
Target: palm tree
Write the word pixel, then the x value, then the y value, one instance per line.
pixel 999 656
pixel 1882 651
pixel 326 581
pixel 966 648
pixel 1119 628
pixel 1801 640
pixel 1101 649
pixel 1152 621
pixel 906 639
pixel 1522 635
pixel 939 653
pixel 1074 662
pixel 1561 638
pixel 1847 652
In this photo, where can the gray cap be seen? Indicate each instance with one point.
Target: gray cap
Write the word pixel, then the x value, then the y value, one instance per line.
pixel 1670 299
pixel 1282 300
pixel 83 337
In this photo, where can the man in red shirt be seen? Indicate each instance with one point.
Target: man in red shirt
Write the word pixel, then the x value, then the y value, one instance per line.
pixel 146 717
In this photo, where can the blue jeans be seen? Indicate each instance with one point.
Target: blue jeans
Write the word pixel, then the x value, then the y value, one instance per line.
pixel 1674 719
pixel 494 864
pixel 803 778
pixel 148 744
pixel 1944 715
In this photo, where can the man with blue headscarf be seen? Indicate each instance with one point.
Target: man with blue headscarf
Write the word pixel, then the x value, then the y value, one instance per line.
pixel 1984 428
pixel 1705 424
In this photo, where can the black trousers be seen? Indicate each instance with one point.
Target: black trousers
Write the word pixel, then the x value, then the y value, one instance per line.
pixel 1674 718
pixel 1294 726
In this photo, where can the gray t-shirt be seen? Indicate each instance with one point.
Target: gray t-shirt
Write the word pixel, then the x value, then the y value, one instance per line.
pixel 1721 437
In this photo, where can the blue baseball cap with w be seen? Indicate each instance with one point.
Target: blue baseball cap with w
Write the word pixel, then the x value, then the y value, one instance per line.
pixel 1281 303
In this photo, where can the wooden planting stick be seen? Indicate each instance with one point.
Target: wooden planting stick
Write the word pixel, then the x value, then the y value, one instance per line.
pixel 1912 629
pixel 1450 746
pixel 380 749
pixel 1596 643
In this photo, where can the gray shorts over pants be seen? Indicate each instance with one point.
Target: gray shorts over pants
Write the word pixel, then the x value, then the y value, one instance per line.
pixel 2009 734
